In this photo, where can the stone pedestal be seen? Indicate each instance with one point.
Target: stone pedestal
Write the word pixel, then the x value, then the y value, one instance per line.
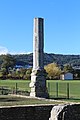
pixel 38 84
pixel 38 76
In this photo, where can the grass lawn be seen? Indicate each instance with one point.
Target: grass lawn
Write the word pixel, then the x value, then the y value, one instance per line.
pixel 56 88
pixel 8 100
pixel 60 88
pixel 22 84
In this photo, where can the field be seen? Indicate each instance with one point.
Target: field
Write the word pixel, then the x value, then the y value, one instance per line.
pixel 14 86
pixel 8 100
pixel 64 89
pixel 57 89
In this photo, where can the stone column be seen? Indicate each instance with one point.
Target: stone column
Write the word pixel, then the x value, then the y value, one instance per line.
pixel 38 76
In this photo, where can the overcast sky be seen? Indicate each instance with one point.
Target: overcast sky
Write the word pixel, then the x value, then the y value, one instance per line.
pixel 62 25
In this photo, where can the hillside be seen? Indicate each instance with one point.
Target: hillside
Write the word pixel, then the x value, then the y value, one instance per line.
pixel 26 59
pixel 60 59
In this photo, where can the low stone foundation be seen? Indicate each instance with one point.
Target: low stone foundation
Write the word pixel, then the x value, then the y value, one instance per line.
pixel 41 112
pixel 65 112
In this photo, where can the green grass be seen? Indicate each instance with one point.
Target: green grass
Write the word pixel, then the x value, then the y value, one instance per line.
pixel 7 100
pixel 21 84
pixel 74 87
pixel 15 86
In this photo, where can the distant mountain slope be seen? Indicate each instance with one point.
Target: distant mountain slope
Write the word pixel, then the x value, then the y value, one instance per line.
pixel 27 59
pixel 62 59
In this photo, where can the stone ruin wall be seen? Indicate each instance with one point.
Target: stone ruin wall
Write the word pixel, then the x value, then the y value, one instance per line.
pixel 25 112
pixel 65 112
pixel 41 112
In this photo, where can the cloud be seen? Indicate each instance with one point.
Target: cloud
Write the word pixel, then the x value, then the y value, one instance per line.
pixel 3 50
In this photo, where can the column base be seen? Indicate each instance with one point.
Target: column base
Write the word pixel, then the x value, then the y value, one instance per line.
pixel 38 84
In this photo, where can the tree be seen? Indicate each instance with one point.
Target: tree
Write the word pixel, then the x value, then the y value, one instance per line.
pixel 8 61
pixel 3 73
pixel 53 71
pixel 68 68
pixel 28 74
pixel 21 72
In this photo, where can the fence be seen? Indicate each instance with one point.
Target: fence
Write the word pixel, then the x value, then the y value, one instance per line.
pixel 59 90
pixel 10 87
pixel 64 90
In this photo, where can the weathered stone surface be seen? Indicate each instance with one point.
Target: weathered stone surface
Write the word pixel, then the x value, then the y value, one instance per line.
pixel 56 110
pixel 38 76
pixel 38 84
pixel 65 112
pixel 41 112
pixel 38 44
pixel 25 113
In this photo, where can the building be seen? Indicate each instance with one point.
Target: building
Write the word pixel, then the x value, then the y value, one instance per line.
pixel 66 76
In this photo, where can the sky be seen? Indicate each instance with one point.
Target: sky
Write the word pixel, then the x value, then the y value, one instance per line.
pixel 61 26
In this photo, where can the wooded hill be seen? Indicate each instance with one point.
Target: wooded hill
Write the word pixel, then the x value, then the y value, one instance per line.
pixel 26 59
